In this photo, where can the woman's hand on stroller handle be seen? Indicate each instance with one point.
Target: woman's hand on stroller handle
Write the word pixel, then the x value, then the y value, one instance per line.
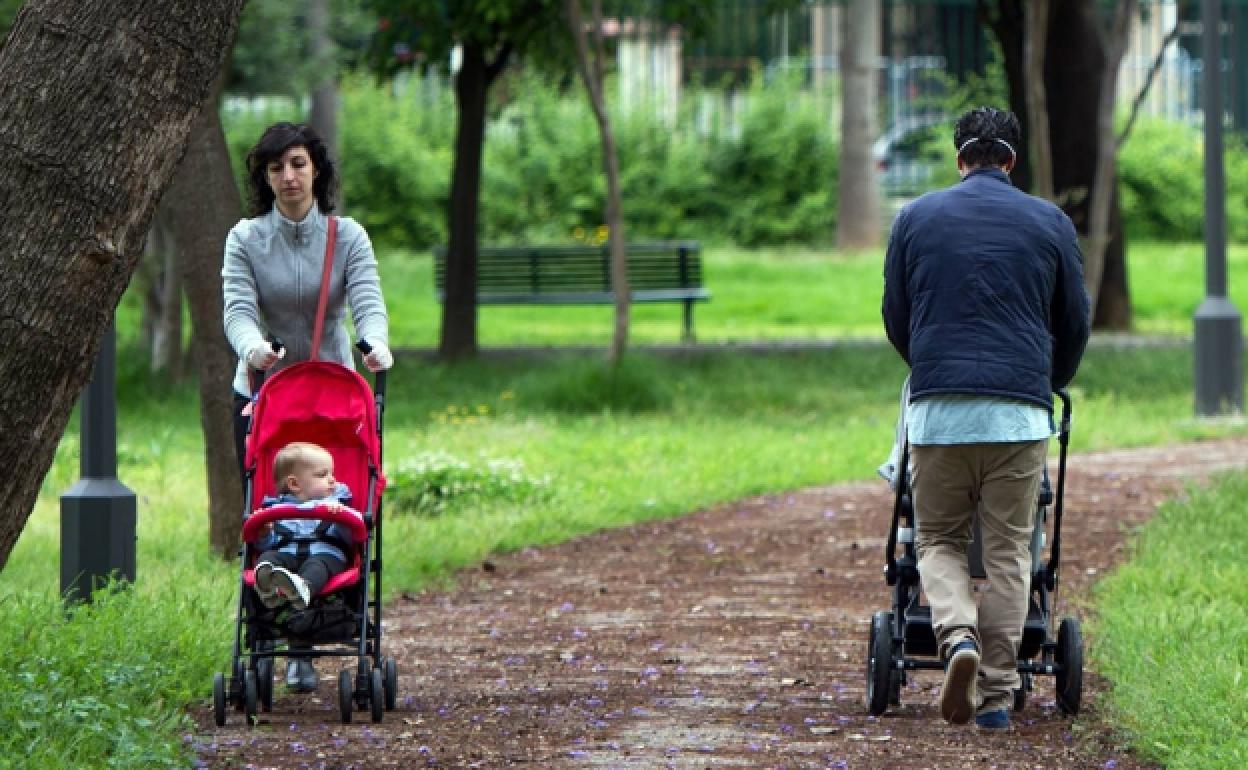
pixel 377 358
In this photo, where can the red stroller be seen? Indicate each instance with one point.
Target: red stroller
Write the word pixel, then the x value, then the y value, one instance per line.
pixel 333 406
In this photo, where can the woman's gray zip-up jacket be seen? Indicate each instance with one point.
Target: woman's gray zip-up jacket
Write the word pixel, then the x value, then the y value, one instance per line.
pixel 271 281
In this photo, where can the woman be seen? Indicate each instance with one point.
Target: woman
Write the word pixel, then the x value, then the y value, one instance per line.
pixel 272 279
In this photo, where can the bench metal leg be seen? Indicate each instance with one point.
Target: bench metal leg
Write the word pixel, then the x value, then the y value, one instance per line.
pixel 687 334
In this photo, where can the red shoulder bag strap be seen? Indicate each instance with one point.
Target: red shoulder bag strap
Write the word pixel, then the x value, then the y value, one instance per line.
pixel 323 301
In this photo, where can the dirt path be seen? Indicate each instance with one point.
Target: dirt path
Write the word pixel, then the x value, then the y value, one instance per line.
pixel 733 637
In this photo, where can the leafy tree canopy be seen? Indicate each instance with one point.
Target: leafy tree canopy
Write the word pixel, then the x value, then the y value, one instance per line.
pixel 273 51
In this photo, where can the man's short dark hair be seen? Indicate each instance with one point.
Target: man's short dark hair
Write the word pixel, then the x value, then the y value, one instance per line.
pixel 986 136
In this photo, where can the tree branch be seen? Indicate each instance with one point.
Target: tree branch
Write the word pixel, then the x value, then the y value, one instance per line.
pixel 1152 72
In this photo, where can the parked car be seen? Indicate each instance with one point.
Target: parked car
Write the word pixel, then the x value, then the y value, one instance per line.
pixel 911 155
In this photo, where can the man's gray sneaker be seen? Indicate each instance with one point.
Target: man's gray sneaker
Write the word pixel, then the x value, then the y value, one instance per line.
pixel 957 696
pixel 301 676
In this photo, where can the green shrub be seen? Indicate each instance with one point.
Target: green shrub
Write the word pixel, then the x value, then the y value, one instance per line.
pixel 1162 184
pixel 433 482
pixel 781 175
pixel 542 177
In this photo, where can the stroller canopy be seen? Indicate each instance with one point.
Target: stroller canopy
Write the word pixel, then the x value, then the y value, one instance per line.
pixel 324 403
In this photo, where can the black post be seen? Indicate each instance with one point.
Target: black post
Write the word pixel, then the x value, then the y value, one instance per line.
pixel 1219 375
pixel 98 513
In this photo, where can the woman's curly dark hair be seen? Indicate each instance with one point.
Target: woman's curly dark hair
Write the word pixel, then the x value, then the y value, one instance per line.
pixel 276 140
pixel 977 133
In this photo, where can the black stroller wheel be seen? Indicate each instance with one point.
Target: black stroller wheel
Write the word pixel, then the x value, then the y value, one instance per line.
pixel 236 684
pixel 250 695
pixel 376 696
pixel 880 663
pixel 390 671
pixel 264 683
pixel 346 685
pixel 1070 666
pixel 218 699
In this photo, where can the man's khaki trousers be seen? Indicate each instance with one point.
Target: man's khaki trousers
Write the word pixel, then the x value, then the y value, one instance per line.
pixel 949 484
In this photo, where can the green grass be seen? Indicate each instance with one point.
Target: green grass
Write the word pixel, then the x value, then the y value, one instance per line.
pixel 782 294
pixel 1172 632
pixel 507 454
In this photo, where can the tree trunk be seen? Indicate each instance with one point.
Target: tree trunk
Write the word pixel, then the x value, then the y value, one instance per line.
pixel 459 308
pixel 203 203
pixel 1076 64
pixel 1035 33
pixel 858 200
pixel 1074 67
pixel 162 298
pixel 323 111
pixel 1007 24
pixel 590 66
pixel 1105 175
pixel 97 98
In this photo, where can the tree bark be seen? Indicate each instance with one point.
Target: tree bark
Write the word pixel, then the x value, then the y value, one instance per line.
pixel 323 110
pixel 858 200
pixel 162 298
pixel 590 66
pixel 1035 33
pixel 203 203
pixel 1074 67
pixel 1007 24
pixel 97 98
pixel 1105 175
pixel 459 308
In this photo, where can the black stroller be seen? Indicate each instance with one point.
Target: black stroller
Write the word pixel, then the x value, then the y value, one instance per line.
pixel 902 639
pixel 332 406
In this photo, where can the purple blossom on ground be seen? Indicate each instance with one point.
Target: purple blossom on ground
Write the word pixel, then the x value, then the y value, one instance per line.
pixel 567 607
pixel 578 754
pixel 298 747
pixel 1110 764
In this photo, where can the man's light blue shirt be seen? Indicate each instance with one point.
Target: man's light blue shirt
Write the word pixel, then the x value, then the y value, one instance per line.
pixel 967 419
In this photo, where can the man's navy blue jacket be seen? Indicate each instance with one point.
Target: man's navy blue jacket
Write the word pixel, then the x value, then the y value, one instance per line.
pixel 983 292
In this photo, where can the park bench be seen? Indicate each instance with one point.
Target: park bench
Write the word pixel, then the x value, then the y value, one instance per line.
pixel 662 271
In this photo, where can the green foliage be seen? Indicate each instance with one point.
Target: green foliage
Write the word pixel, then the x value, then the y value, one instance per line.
pixel 433 483
pixel 102 685
pixel 779 177
pixel 8 13
pixel 542 176
pixel 1170 633
pixel 1161 175
pixel 274 51
pixel 397 174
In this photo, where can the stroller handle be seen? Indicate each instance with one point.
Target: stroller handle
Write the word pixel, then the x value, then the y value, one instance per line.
pixel 258 375
pixel 379 388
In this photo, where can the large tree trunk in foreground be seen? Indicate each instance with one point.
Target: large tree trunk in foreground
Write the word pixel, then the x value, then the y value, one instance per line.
pixel 204 204
pixel 97 98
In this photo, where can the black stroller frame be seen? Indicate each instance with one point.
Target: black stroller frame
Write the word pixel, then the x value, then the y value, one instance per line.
pixel 902 639
pixel 259 638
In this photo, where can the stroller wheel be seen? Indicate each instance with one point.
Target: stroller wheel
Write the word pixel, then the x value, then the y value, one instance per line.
pixel 218 699
pixel 250 696
pixel 880 663
pixel 264 683
pixel 236 684
pixel 346 685
pixel 376 696
pixel 1070 666
pixel 1020 695
pixel 390 672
